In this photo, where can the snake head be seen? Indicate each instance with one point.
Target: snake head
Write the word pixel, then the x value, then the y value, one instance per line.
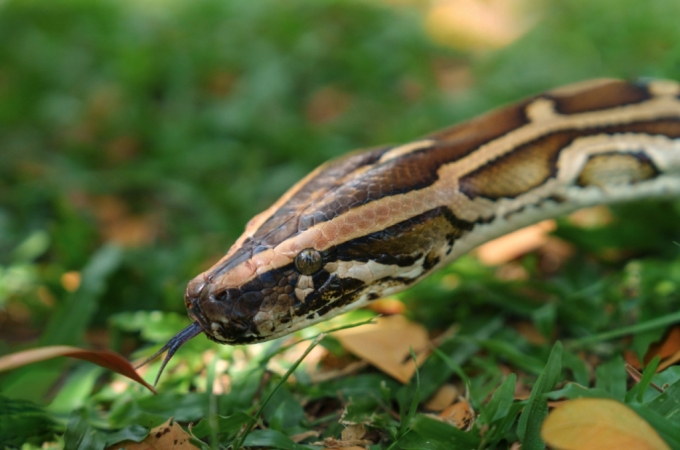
pixel 340 238
pixel 274 295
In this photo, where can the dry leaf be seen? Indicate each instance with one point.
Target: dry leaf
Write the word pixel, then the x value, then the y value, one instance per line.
pixel 118 225
pixel 353 431
pixel 529 331
pixel 460 415
pixel 167 436
pixel 453 76
pixel 388 306
pixel 351 439
pixel 476 24
pixel 668 350
pixel 592 217
pixel 669 346
pixel 445 396
pixel 515 244
pixel 598 424
pixel 297 438
pixel 70 280
pixel 666 363
pixel 326 105
pixel 631 359
pixel 104 358
pixel 387 344
pixel 333 442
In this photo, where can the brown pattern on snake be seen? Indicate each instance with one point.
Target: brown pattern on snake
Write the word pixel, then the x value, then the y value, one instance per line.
pixel 406 242
pixel 285 222
pixel 532 164
pixel 616 93
pixel 486 127
pixel 412 171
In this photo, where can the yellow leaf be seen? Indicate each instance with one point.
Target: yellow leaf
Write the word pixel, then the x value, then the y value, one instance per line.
pixel 598 424
pixel 387 344
pixel 476 24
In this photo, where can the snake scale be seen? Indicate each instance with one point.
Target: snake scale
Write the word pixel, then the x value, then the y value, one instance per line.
pixel 372 223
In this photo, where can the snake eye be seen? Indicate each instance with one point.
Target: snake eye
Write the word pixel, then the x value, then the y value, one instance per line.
pixel 308 261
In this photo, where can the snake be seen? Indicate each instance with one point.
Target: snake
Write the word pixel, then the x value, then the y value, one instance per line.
pixel 373 223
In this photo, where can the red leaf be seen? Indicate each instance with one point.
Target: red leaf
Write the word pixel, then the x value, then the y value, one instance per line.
pixel 104 358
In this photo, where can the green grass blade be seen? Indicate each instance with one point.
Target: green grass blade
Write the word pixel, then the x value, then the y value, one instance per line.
pixel 611 376
pixel 646 379
pixel 501 401
pixel 238 442
pixel 529 427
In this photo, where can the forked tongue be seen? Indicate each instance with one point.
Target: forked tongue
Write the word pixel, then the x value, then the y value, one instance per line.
pixel 173 344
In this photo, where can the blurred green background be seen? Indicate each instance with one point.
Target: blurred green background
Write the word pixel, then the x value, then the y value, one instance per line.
pixel 137 138
pixel 165 126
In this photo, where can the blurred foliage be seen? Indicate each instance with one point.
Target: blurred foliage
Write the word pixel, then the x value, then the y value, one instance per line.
pixel 137 139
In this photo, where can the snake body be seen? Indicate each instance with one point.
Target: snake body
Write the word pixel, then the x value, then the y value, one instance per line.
pixel 375 222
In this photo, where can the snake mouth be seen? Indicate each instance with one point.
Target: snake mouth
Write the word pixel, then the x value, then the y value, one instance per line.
pixel 196 314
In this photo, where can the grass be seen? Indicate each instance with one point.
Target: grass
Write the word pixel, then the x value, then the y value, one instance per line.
pixel 137 140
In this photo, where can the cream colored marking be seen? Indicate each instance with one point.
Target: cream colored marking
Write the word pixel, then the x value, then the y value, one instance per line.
pixel 405 149
pixel 541 110
pixel 371 270
pixel 664 88
pixel 392 210
pixel 302 294
pixel 304 287
pixel 649 110
pixel 662 151
pixel 305 282
pixel 652 109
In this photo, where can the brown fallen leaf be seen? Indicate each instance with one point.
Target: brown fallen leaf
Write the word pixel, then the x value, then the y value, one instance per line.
pixel 671 360
pixel 529 331
pixel 445 396
pixel 353 447
pixel 592 217
pixel 475 24
pixel 104 358
pixel 598 424
pixel 297 438
pixel 353 431
pixel 631 359
pixel 326 105
pixel 669 345
pixel 164 437
pixel 460 415
pixel 388 306
pixel 668 349
pixel 351 439
pixel 515 244
pixel 387 344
